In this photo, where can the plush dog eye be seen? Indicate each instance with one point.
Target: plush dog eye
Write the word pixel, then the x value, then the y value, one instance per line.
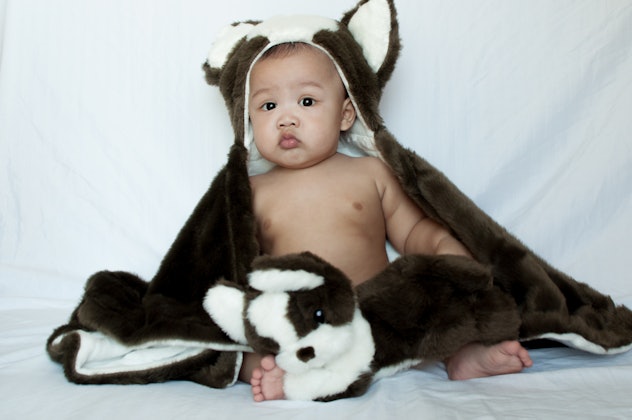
pixel 319 316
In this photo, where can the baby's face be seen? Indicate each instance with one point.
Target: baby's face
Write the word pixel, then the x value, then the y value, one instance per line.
pixel 298 107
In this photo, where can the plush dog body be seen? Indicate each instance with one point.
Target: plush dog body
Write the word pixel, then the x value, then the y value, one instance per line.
pixel 333 344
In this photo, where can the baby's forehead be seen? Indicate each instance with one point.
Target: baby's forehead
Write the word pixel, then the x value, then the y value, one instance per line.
pixel 294 65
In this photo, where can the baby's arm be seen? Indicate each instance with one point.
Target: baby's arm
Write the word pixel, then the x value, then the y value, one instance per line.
pixel 428 235
pixel 408 228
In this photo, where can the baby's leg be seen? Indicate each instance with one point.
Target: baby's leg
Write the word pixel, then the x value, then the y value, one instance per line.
pixel 476 360
pixel 267 380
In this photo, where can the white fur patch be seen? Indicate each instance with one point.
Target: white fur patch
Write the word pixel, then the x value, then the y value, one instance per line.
pixel 332 370
pixel 268 314
pixel 274 280
pixel 328 342
pixel 578 342
pixel 225 306
pixel 371 27
pixel 393 369
pixel 297 28
pixel 225 42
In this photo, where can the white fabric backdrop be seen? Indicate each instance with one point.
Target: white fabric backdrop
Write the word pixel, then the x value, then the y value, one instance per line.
pixel 109 135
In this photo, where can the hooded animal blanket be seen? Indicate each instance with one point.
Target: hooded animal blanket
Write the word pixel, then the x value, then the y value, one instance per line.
pixel 213 297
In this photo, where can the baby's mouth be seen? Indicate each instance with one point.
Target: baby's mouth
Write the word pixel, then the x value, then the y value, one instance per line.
pixel 288 141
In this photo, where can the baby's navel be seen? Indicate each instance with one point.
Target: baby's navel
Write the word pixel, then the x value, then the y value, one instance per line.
pixel 357 206
pixel 267 223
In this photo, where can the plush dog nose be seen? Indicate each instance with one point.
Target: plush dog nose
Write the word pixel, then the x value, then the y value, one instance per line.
pixel 305 354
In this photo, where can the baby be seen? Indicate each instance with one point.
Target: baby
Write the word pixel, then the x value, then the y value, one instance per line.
pixel 339 207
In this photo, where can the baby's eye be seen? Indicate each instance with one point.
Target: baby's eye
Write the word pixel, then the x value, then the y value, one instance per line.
pixel 268 106
pixel 307 101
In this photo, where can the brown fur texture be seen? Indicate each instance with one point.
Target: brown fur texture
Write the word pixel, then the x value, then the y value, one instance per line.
pixel 403 302
pixel 336 298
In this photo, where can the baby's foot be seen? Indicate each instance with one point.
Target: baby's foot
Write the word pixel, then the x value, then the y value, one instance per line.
pixel 477 361
pixel 267 381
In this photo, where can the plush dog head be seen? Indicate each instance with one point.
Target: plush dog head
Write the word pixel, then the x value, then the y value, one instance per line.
pixel 298 307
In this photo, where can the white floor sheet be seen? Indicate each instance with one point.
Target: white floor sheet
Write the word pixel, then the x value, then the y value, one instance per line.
pixel 109 136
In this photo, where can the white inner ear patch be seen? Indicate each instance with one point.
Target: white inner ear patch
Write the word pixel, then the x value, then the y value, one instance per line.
pixel 371 27
pixel 225 42
pixel 275 280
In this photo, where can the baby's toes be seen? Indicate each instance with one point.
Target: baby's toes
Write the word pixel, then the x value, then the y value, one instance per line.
pixel 257 375
pixel 268 363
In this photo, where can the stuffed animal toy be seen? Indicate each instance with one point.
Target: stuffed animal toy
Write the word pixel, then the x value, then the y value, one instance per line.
pixel 333 344
pixel 127 330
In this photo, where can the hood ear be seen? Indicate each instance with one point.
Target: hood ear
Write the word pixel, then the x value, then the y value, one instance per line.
pixel 225 305
pixel 227 39
pixel 373 24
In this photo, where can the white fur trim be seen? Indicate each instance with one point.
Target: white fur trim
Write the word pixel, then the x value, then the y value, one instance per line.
pixel 99 354
pixel 225 42
pixel 274 280
pixel 225 306
pixel 371 27
pixel 578 342
pixel 238 363
pixel 297 28
pixel 393 369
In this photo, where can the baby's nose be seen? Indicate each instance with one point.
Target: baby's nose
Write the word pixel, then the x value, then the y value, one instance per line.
pixel 287 119
pixel 287 122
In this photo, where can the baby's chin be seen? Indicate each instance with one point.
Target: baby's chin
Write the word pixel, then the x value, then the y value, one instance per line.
pixel 297 165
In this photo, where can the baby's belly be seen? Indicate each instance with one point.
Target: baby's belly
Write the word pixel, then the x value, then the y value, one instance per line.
pixel 358 254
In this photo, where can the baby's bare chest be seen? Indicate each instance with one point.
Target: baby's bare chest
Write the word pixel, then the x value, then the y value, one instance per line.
pixel 345 206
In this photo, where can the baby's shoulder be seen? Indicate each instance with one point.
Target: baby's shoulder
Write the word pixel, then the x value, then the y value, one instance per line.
pixel 374 167
pixel 367 163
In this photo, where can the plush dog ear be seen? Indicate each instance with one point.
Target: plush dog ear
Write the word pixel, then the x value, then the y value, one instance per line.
pixel 227 39
pixel 278 280
pixel 373 24
pixel 225 304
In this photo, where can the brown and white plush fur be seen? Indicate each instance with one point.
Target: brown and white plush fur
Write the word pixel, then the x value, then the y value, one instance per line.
pixel 333 343
pixel 304 311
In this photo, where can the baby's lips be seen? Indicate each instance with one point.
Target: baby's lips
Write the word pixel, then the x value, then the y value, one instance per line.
pixel 288 142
